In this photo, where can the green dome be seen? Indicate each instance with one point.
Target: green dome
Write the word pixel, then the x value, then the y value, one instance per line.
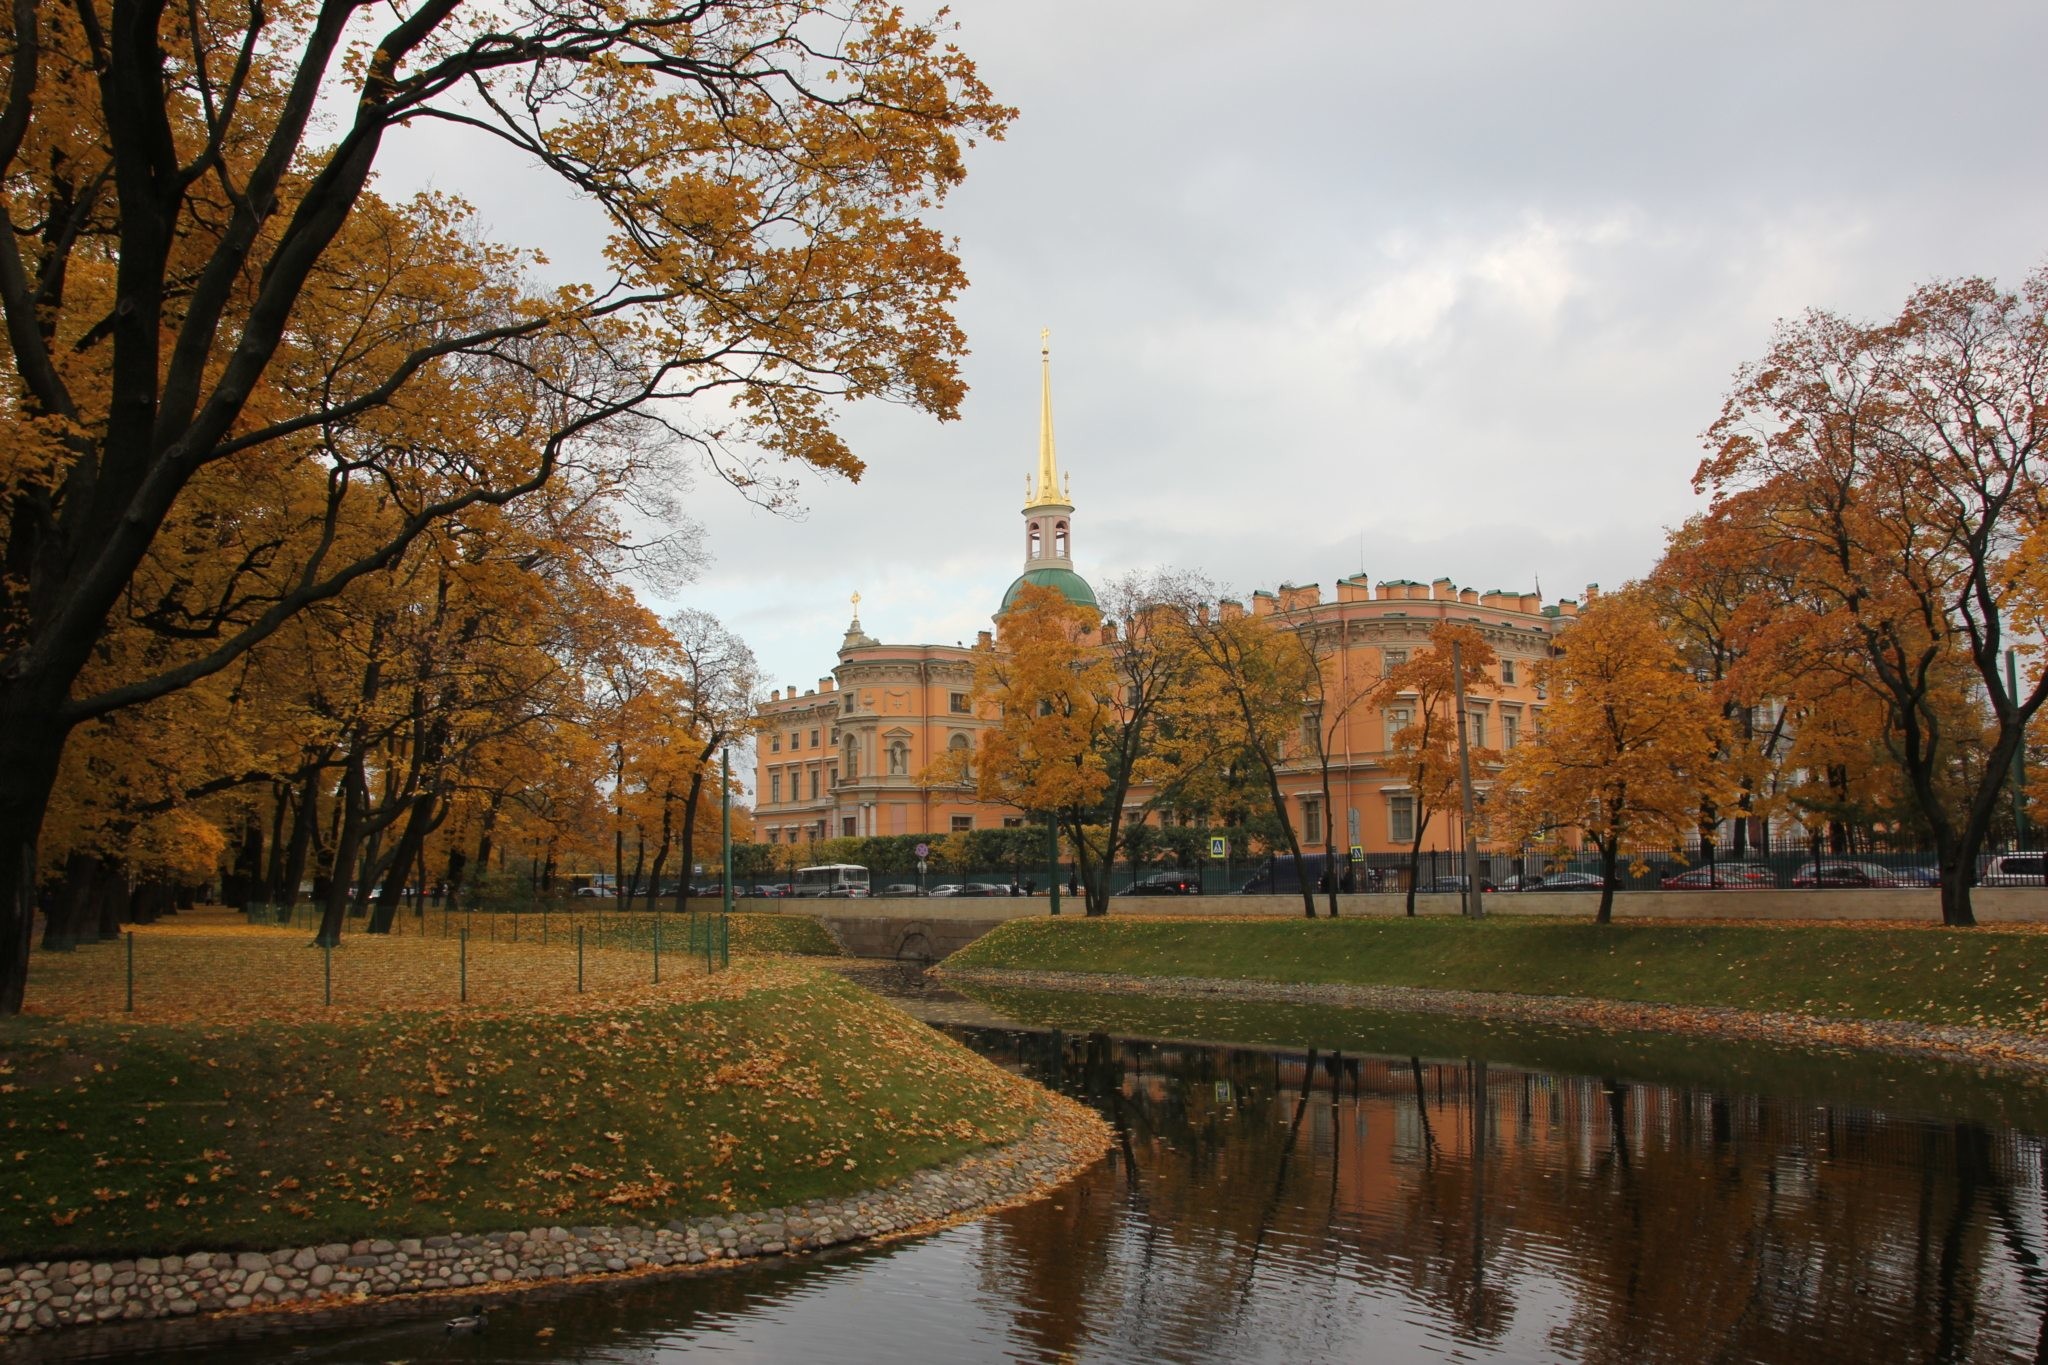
pixel 1074 587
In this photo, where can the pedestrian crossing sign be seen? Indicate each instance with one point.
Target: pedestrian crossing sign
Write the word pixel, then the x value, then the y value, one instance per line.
pixel 1358 853
pixel 1219 846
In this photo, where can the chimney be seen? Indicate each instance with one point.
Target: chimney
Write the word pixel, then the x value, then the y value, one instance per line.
pixel 984 640
pixel 1443 590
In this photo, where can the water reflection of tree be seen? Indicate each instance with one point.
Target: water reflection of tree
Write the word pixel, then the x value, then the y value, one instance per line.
pixel 1670 1218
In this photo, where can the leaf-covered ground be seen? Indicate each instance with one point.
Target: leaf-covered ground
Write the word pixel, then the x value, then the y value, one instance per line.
pixel 1988 977
pixel 231 1112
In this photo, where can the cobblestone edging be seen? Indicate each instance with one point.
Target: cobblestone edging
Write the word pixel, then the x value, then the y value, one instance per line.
pixel 1993 1047
pixel 44 1295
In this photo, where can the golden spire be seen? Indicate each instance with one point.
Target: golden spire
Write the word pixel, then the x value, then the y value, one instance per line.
pixel 1048 489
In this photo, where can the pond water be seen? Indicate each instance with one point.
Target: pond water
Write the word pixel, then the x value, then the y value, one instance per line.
pixel 1367 1187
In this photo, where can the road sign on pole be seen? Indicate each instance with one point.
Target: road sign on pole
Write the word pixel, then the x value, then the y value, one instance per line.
pixel 1219 846
pixel 922 851
pixel 1358 853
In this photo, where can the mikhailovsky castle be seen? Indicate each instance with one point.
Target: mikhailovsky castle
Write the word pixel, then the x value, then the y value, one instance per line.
pixel 848 756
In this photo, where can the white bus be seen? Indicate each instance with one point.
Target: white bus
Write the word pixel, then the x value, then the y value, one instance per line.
pixel 832 879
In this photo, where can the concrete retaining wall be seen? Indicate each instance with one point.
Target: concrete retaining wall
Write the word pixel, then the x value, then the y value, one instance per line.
pixel 931 929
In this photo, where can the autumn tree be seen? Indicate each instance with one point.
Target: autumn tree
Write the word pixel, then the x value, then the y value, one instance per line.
pixel 191 282
pixel 1898 467
pixel 1336 695
pixel 1050 686
pixel 1424 749
pixel 1630 746
pixel 1251 687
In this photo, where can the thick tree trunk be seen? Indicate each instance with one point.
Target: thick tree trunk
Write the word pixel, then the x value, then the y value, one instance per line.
pixel 115 902
pixel 31 745
pixel 688 843
pixel 353 799
pixel 483 848
pixel 419 822
pixel 1610 858
pixel 273 872
pixel 1415 858
pixel 305 823
pixel 72 915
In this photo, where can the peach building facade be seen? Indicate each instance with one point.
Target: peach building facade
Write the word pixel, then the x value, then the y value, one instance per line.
pixel 1362 632
pixel 848 757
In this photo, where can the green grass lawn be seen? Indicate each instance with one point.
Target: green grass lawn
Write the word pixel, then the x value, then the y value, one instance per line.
pixel 124 1138
pixel 1991 977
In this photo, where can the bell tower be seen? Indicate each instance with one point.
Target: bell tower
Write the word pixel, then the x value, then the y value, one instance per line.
pixel 1048 510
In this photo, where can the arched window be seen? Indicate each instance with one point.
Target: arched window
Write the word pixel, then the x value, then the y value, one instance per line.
pixel 1034 542
pixel 1059 540
pixel 852 764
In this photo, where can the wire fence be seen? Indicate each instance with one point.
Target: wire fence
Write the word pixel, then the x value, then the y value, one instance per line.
pixel 215 964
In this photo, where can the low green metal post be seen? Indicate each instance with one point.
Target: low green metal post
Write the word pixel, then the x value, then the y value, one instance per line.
pixel 130 936
pixel 2019 755
pixel 327 973
pixel 657 952
pixel 725 839
pixel 579 959
pixel 462 951
pixel 1052 857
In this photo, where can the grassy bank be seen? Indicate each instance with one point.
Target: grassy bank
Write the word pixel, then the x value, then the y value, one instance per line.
pixel 767 1084
pixel 1986 977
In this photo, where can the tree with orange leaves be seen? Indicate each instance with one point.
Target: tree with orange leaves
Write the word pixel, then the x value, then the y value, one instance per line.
pixel 1894 473
pixel 1425 750
pixel 198 290
pixel 1631 743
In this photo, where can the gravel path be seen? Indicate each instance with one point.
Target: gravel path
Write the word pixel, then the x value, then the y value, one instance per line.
pixel 2018 1051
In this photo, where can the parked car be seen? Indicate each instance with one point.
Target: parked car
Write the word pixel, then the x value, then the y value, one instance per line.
pixel 1571 881
pixel 1834 872
pixel 1918 876
pixel 765 892
pixel 2014 869
pixel 596 893
pixel 1457 885
pixel 1520 882
pixel 901 889
pixel 1724 877
pixel 970 889
pixel 1165 884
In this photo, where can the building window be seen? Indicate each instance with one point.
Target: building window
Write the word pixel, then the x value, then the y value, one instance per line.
pixel 1391 659
pixel 962 823
pixel 1401 819
pixel 899 759
pixel 1475 729
pixel 1311 820
pixel 849 826
pixel 832 778
pixel 1398 719
pixel 1059 540
pixel 1510 730
pixel 1013 822
pixel 772 832
pixel 775 743
pixel 774 791
pixel 1507 670
pixel 959 703
pixel 849 703
pixel 814 739
pixel 814 784
pixel 852 758
pixel 1312 731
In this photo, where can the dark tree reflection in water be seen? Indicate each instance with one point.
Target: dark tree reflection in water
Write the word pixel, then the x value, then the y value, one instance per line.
pixel 1328 1202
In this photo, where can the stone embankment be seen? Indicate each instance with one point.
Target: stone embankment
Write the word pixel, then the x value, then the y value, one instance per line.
pixel 43 1295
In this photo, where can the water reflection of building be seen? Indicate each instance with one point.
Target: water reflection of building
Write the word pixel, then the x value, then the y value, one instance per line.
pixel 1543 1215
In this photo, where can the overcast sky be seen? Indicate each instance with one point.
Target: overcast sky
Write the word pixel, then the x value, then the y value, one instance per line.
pixel 1422 290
